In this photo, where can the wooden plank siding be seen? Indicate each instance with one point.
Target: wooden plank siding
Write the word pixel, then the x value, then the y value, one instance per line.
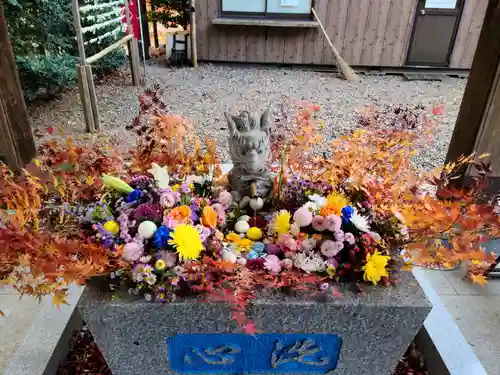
pixel 366 32
pixel 468 34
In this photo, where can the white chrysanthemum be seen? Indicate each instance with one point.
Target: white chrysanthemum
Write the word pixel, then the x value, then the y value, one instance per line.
pixel 360 222
pixel 312 206
pixel 318 199
pixel 312 262
pixel 193 179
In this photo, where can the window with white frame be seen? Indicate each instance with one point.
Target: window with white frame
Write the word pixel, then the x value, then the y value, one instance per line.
pixel 267 8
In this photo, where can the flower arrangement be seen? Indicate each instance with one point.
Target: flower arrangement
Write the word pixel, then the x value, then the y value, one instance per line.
pixel 161 222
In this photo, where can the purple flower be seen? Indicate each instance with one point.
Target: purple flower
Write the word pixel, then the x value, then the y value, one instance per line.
pixel 324 286
pixel 168 257
pixel 185 188
pixel 340 236
pixel 349 238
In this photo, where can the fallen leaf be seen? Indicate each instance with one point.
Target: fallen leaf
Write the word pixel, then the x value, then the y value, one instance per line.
pixel 479 279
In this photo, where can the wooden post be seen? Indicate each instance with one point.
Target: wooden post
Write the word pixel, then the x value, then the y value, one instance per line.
pixel 145 28
pixel 192 33
pixel 85 82
pixel 93 98
pixel 478 123
pixel 133 50
pixel 17 146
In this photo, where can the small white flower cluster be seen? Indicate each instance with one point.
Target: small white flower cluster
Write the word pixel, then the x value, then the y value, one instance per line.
pixel 103 16
pixel 91 7
pixel 113 33
pixel 102 25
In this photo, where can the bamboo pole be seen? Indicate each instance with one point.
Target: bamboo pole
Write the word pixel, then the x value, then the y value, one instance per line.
pixel 93 98
pixel 192 33
pixel 108 49
pixel 78 29
pixel 85 98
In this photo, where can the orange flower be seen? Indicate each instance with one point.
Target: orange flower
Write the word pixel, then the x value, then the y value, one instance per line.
pixel 336 203
pixel 209 217
pixel 180 213
pixel 330 209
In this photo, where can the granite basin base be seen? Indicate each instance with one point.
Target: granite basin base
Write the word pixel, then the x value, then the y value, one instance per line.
pixel 375 329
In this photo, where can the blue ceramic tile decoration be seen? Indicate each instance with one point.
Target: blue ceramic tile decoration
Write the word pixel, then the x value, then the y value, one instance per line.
pixel 270 353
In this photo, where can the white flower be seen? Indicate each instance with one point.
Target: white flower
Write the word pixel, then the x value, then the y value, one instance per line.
pixel 193 179
pixel 312 262
pixel 318 199
pixel 160 175
pixel 312 206
pixel 360 222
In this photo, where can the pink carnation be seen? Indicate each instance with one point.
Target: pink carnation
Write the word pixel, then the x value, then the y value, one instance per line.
pixel 272 263
pixel 349 238
pixel 303 217
pixel 132 252
pixel 287 242
pixel 333 223
pixel 168 199
pixel 225 198
pixel 287 264
pixel 221 213
pixel 331 248
pixel 318 223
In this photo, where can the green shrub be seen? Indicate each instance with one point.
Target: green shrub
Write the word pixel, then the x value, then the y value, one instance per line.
pixel 44 44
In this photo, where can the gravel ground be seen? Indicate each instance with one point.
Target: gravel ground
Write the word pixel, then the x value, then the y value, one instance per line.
pixel 203 95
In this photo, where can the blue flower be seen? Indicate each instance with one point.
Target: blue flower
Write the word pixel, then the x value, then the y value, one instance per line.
pixel 347 213
pixel 162 235
pixel 258 247
pixel 252 255
pixel 133 196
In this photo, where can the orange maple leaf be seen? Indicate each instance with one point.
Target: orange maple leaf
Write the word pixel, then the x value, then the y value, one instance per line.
pixel 60 298
pixel 479 279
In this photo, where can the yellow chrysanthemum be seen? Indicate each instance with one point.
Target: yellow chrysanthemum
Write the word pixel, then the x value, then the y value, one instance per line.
pixel 244 244
pixel 175 187
pixel 281 223
pixel 375 267
pixel 233 237
pixel 160 264
pixel 335 203
pixel 187 242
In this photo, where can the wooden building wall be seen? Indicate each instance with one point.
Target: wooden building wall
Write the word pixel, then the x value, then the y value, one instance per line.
pixel 468 34
pixel 367 32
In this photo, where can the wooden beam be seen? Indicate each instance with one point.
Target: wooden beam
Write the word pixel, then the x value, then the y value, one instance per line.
pixel 108 49
pixel 17 146
pixel 192 33
pixel 478 122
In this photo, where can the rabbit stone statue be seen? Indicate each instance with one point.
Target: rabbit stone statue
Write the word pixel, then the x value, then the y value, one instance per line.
pixel 250 152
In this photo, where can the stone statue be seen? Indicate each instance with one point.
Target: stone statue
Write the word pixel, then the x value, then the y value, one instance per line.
pixel 250 151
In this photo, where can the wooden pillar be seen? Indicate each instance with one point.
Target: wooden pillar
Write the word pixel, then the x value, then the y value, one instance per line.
pixel 478 123
pixel 145 28
pixel 17 146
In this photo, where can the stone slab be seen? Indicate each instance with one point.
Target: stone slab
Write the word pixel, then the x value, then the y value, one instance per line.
pixel 375 328
pixel 46 337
